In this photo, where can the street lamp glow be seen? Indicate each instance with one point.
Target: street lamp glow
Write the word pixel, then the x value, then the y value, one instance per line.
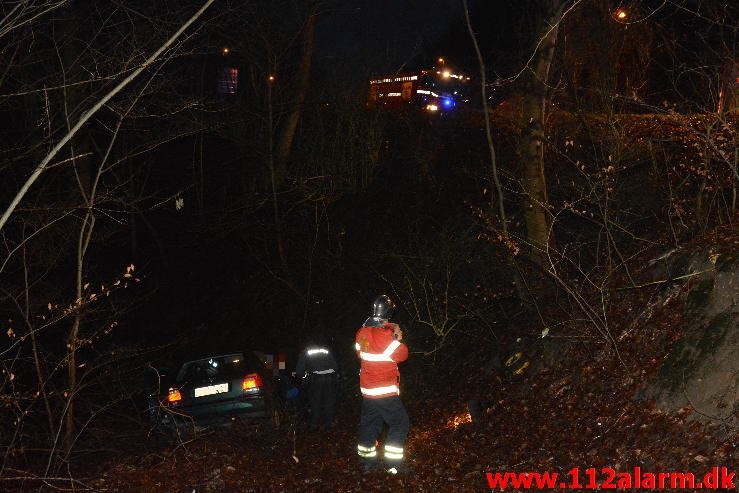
pixel 621 14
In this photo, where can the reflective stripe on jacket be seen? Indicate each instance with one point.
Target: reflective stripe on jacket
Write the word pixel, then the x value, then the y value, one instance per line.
pixel 380 354
pixel 315 361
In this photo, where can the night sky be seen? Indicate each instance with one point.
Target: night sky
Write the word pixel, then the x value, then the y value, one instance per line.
pixel 386 35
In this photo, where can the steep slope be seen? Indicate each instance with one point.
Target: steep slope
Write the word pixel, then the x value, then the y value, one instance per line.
pixel 581 404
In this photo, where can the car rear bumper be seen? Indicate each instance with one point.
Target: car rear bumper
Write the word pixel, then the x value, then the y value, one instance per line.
pixel 211 414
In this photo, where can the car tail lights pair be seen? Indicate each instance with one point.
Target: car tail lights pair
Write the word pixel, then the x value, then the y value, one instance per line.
pixel 251 382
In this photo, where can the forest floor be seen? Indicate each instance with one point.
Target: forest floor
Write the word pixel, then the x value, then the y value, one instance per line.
pixel 580 408
pixel 581 412
pixel 578 415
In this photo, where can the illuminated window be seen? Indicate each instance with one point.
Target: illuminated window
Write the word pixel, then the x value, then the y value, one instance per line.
pixel 228 80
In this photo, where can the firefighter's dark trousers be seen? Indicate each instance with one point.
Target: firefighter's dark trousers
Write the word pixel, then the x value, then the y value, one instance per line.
pixel 376 413
pixel 322 398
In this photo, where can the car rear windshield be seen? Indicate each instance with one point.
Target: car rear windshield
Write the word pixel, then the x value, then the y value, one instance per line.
pixel 225 367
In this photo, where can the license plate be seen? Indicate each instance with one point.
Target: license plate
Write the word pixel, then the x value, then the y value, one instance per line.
pixel 211 390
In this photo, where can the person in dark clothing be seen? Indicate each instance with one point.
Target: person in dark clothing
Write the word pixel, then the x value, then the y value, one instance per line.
pixel 317 371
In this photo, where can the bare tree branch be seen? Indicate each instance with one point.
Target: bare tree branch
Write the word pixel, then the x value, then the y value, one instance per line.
pixel 95 108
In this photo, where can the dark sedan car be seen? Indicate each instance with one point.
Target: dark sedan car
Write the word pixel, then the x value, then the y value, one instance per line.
pixel 213 390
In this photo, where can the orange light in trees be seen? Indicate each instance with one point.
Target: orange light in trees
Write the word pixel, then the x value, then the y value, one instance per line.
pixel 621 14
pixel 225 51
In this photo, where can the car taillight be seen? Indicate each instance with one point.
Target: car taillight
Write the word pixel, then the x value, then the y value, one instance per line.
pixel 174 396
pixel 251 382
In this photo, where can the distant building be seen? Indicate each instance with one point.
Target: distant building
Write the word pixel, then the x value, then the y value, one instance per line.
pixel 227 83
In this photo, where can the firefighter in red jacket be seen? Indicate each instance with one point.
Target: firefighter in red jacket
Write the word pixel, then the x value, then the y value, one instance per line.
pixel 379 347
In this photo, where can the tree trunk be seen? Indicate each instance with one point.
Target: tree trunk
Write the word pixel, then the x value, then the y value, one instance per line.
pixel 531 145
pixel 278 167
pixel 38 364
pixel 287 136
pixel 74 96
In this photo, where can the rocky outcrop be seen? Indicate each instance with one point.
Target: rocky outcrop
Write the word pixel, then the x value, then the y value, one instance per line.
pixel 701 371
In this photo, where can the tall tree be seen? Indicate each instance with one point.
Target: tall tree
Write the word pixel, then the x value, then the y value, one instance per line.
pixel 533 112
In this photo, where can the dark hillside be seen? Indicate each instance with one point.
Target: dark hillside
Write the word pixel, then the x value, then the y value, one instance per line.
pixel 579 405
pixel 550 206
